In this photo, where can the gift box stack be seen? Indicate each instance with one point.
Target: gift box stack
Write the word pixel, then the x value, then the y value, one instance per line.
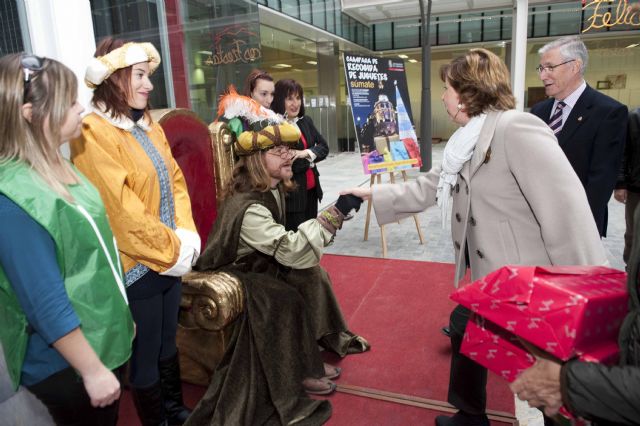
pixel 566 311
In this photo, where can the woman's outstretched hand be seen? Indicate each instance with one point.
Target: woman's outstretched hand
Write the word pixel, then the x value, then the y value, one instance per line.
pixel 364 193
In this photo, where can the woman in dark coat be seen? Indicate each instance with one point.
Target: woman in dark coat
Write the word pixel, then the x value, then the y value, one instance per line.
pixel 301 204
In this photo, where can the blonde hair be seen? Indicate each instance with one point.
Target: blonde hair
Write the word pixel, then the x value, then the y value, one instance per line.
pixel 481 80
pixel 250 174
pixel 52 91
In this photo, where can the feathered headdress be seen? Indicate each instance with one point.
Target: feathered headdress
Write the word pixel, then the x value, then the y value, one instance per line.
pixel 267 128
pixel 232 104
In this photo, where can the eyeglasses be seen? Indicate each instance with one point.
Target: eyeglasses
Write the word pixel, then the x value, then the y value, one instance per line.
pixel 284 153
pixel 550 68
pixel 30 65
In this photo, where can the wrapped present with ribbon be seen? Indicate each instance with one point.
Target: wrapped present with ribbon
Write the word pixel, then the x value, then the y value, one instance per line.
pixel 566 311
pixel 507 355
pixel 495 348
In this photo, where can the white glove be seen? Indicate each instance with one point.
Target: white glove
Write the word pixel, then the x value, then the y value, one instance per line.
pixel 189 252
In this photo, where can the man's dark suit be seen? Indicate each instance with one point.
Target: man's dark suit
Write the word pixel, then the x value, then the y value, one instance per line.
pixel 592 137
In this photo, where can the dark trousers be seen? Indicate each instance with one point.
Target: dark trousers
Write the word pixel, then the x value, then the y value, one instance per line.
pixel 467 379
pixel 65 397
pixel 310 211
pixel 154 301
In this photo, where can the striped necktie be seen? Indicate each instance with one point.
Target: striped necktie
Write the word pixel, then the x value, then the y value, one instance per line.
pixel 555 122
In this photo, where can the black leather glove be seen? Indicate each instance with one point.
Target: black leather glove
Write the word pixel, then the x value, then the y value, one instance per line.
pixel 348 202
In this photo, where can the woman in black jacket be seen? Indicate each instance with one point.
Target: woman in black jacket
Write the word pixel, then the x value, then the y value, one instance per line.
pixel 301 204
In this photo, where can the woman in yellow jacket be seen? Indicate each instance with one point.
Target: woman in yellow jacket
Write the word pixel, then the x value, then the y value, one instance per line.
pixel 127 157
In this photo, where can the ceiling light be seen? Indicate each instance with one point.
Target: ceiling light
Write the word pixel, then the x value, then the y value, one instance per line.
pixel 632 45
pixel 279 66
pixel 413 61
pixel 403 56
pixel 312 62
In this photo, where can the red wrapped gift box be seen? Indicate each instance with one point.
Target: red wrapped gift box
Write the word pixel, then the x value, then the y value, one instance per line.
pixel 495 348
pixel 503 353
pixel 567 311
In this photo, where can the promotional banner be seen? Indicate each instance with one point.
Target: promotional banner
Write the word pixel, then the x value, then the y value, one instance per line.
pixel 381 113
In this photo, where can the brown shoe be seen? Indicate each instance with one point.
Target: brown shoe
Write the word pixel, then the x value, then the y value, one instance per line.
pixel 331 372
pixel 318 386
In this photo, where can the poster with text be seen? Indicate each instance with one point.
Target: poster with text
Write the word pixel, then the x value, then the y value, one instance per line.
pixel 381 113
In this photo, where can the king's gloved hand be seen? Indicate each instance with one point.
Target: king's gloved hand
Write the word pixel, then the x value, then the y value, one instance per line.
pixel 348 202
pixel 331 218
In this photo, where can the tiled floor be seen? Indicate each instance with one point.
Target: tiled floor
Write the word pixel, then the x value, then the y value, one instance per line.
pixel 343 170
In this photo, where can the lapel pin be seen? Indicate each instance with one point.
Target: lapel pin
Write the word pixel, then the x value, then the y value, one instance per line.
pixel 580 118
pixel 487 157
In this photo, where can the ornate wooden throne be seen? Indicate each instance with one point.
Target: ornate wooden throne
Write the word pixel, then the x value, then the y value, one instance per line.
pixel 210 301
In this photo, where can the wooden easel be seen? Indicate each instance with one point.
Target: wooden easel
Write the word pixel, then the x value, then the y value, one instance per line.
pixel 377 178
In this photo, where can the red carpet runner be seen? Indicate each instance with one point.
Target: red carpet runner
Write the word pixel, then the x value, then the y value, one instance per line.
pixel 399 306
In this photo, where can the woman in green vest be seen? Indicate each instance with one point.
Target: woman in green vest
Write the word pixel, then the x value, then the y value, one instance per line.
pixel 66 327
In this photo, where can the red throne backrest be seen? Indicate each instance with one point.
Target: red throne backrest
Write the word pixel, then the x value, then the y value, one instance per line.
pixel 190 142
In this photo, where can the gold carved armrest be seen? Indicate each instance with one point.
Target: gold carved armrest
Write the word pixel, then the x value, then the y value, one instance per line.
pixel 211 301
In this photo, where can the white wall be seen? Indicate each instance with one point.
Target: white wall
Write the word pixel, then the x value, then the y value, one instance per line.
pixel 63 30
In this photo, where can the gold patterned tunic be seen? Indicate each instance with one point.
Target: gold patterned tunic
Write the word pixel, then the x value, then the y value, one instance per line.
pixel 127 174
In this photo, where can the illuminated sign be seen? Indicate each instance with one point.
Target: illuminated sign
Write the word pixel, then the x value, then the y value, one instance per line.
pixel 621 14
pixel 234 44
pixel 233 52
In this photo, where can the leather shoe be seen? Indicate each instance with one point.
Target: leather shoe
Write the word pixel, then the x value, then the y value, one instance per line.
pixel 463 419
pixel 446 331
pixel 318 386
pixel 331 372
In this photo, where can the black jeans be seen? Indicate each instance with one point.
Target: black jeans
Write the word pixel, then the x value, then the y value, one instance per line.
pixel 65 397
pixel 467 379
pixel 154 301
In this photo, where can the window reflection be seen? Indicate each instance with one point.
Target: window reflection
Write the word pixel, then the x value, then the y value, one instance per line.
pixel 448 29
pixel 132 21
pixel 10 33
pixel 222 45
